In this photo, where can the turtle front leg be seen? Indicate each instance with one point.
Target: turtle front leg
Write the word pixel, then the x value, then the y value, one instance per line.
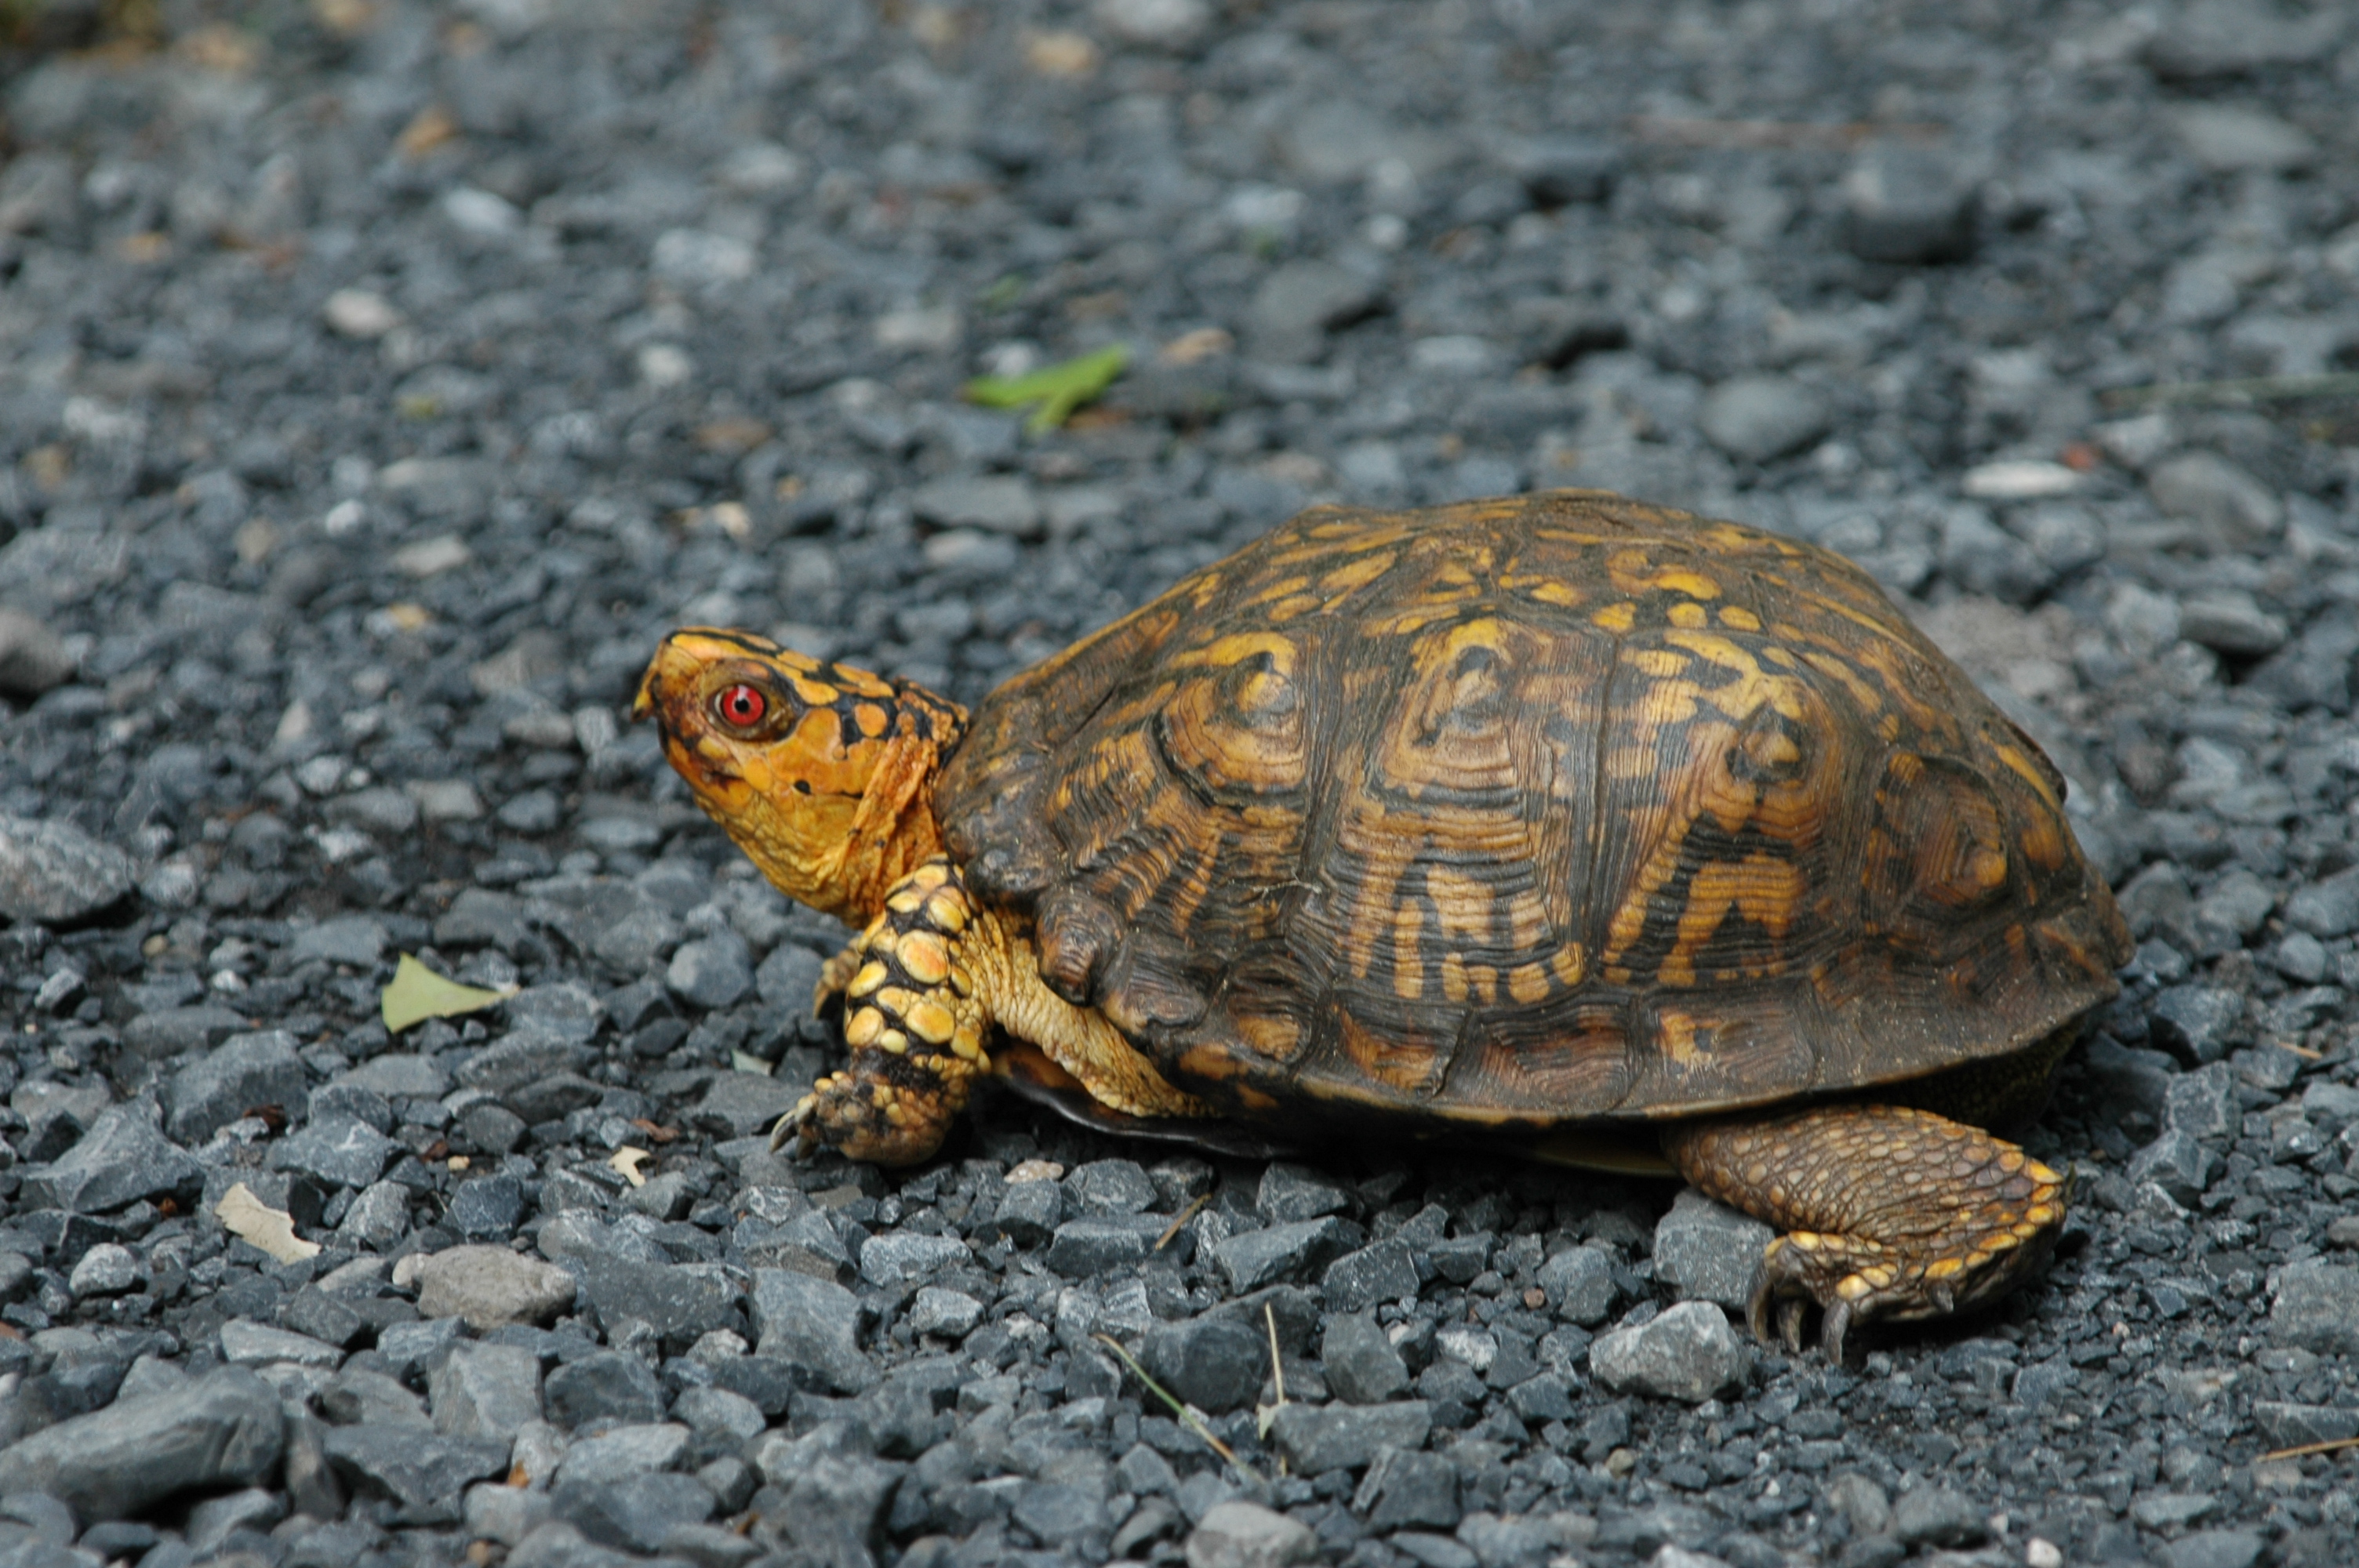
pixel 913 1021
pixel 1888 1212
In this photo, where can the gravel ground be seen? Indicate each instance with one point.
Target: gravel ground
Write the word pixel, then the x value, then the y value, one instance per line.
pixel 380 380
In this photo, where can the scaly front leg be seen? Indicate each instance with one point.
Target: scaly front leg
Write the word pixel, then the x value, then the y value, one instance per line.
pixel 913 1021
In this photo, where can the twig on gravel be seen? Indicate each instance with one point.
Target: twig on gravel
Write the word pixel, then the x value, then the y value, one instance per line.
pixel 2233 392
pixel 1181 1409
pixel 1185 1214
pixel 2300 1451
pixel 1798 135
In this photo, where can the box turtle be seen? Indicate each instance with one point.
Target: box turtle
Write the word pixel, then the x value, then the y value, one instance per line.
pixel 1550 819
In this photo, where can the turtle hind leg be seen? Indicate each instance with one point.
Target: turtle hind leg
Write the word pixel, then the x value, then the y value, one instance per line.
pixel 1886 1212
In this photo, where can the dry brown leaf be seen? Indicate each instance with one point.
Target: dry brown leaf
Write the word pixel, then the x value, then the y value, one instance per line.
pixel 249 1218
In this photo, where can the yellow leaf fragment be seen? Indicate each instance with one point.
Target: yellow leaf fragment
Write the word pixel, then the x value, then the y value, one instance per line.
pixel 250 1219
pixel 627 1160
pixel 417 993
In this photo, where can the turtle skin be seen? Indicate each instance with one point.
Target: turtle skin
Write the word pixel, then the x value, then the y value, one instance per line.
pixel 1556 809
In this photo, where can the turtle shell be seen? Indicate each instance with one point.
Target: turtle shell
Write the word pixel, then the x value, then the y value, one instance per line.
pixel 1553 809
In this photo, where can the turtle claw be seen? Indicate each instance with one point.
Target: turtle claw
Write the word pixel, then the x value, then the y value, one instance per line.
pixel 794 1125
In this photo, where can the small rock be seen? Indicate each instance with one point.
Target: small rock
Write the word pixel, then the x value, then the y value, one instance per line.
pixel 2177 1163
pixel 1406 1488
pixel 1708 1252
pixel 1861 1500
pixel 341 1151
pixel 2215 1549
pixel 950 1314
pixel 2235 510
pixel 1301 302
pixel 1580 1284
pixel 1277 1253
pixel 712 972
pixel 1028 1212
pixel 2317 1307
pixel 106 1270
pixel 121 1160
pixel 1318 1438
pixel 504 1514
pixel 2232 621
pixel 1095 1243
pixel 485 1390
pixel 1382 1271
pixel 997 505
pixel 903 1257
pixel 223 1429
pixel 1360 1361
pixel 1247 1535
pixel 248 1344
pixel 814 1323
pixel 421 1471
pixel 1688 1353
pixel 2198 1023
pixel 486 1287
pixel 1908 206
pixel 621 1452
pixel 1758 418
pixel 788 976
pixel 682 1301
pixel 2327 908
pixel 1936 1516
pixel 486 1205
pixel 604 1386
pixel 55 873
pixel 1215 1363
pixel 2228 138
pixel 33 659
pixel 359 1397
pixel 2202 1104
pixel 243 1072
pixel 636 1512
pixel 1112 1186
pixel 1155 24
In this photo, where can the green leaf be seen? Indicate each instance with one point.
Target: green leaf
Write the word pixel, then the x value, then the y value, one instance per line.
pixel 1058 389
pixel 417 993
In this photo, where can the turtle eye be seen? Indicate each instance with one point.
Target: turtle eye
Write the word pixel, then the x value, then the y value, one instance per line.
pixel 741 705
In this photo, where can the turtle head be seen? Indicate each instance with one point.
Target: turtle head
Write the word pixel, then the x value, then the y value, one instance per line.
pixel 823 775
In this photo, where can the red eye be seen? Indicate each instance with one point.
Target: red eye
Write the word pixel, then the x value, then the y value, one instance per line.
pixel 741 705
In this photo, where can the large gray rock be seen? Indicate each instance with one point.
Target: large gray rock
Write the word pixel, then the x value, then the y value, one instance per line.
pixel 55 873
pixel 1688 1353
pixel 223 1430
pixel 1908 205
pixel 241 1073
